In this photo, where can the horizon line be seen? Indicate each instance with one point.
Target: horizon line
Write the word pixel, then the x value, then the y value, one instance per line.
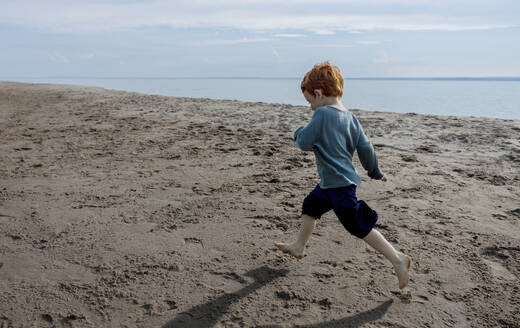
pixel 381 78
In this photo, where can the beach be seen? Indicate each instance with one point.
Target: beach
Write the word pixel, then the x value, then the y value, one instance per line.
pixel 123 209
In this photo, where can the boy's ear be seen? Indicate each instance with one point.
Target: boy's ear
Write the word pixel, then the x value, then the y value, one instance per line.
pixel 318 93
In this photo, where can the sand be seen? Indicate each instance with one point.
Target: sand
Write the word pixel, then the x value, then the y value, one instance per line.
pixel 129 210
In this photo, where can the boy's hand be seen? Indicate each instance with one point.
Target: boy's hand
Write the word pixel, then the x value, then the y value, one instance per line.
pixel 383 179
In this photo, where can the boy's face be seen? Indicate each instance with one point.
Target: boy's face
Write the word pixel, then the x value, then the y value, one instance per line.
pixel 313 100
pixel 318 99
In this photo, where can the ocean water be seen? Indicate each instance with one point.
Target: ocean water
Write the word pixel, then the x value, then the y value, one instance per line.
pixel 479 97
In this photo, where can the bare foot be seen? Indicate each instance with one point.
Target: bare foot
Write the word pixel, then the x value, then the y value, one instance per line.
pixel 402 270
pixel 292 249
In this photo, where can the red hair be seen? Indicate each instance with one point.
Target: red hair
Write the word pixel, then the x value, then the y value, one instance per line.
pixel 326 77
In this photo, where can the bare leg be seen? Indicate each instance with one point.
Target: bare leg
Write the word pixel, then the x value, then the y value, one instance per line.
pixel 297 248
pixel 400 261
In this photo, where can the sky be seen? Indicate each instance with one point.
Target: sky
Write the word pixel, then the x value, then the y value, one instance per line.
pixel 259 38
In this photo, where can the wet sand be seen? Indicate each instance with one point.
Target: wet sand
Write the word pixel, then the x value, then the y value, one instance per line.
pixel 129 210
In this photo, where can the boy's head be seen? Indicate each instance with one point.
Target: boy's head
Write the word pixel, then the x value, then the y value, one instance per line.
pixel 324 77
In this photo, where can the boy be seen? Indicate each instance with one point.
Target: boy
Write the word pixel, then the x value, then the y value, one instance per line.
pixel 334 134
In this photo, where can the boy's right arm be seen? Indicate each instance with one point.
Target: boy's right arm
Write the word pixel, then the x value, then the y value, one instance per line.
pixel 306 136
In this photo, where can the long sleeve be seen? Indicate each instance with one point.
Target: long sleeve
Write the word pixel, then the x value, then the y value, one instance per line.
pixel 367 156
pixel 306 136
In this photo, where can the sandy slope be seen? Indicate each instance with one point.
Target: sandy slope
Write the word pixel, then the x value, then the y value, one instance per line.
pixel 128 210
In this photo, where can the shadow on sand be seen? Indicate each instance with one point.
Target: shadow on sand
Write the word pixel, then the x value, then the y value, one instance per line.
pixel 208 314
pixel 357 320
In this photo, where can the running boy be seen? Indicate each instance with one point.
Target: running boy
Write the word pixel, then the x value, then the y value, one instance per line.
pixel 334 134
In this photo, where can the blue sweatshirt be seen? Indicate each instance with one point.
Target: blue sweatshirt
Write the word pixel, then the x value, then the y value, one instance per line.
pixel 334 135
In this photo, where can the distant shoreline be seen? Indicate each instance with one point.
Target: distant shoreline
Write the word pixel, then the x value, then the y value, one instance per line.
pixel 478 98
pixel 487 79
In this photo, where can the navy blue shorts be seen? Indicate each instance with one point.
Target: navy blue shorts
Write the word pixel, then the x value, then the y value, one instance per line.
pixel 354 214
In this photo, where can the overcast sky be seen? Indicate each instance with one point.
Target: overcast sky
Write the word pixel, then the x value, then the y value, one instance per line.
pixel 264 38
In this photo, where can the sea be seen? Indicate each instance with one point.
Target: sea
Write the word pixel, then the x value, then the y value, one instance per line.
pixel 496 97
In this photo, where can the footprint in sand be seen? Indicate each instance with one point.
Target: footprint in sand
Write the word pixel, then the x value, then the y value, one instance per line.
pixel 404 294
pixel 496 258
pixel 193 240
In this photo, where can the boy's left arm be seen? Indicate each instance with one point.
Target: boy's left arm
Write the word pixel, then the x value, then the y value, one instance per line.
pixel 367 156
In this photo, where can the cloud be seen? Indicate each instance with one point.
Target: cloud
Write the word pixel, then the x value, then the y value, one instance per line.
pixel 385 58
pixel 58 58
pixel 289 35
pixel 334 15
pixel 324 32
pixel 231 42
pixel 87 56
pixel 218 3
pixel 329 45
pixel 369 42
